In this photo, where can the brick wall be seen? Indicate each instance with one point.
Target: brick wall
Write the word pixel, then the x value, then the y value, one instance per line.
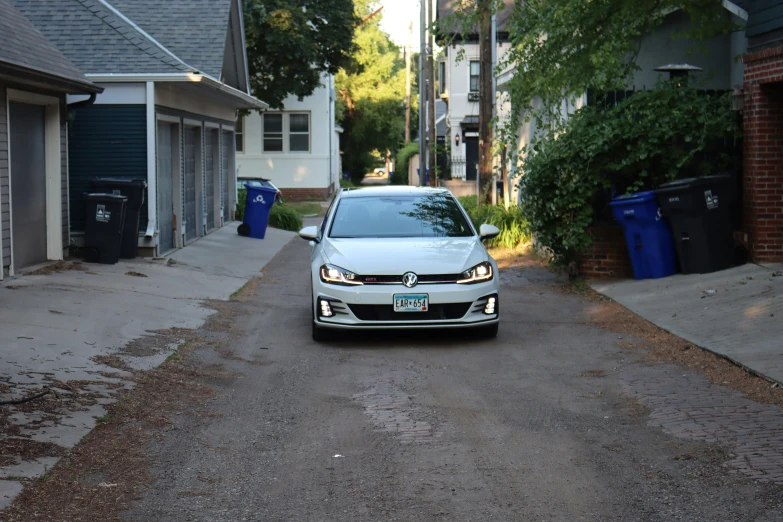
pixel 763 154
pixel 306 194
pixel 608 256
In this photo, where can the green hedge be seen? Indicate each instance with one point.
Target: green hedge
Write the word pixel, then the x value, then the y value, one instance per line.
pixel 404 156
pixel 514 230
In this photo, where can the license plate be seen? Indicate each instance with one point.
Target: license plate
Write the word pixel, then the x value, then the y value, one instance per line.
pixel 411 302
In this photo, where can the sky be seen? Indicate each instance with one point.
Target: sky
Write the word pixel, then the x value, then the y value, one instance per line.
pixel 397 16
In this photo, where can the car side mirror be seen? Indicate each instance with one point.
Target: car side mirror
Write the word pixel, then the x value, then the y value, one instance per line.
pixel 309 233
pixel 487 231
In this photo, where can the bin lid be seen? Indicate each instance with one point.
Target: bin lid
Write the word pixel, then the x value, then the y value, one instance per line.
pixel 104 197
pixel 681 184
pixel 633 199
pixel 258 188
pixel 120 181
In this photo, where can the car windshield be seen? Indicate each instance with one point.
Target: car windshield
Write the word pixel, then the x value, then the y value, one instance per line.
pixel 434 215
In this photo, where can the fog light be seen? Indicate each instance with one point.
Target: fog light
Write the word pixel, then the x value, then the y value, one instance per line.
pixel 489 309
pixel 326 308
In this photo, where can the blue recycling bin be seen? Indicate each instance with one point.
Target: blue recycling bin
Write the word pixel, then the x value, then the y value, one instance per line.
pixel 648 235
pixel 258 204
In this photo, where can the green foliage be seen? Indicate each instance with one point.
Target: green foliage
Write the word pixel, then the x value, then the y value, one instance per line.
pixel 371 92
pixel 402 163
pixel 285 218
pixel 567 47
pixel 346 184
pixel 241 200
pixel 514 230
pixel 651 137
pixel 290 43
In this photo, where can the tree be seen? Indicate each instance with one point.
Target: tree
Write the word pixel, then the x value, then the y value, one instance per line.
pixel 567 47
pixel 371 96
pixel 290 43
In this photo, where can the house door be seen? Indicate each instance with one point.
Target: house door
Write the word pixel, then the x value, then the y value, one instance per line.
pixel 28 183
pixel 209 160
pixel 228 175
pixel 471 158
pixel 191 157
pixel 165 188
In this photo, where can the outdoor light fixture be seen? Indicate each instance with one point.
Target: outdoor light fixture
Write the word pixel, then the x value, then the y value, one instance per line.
pixel 456 139
pixel 738 99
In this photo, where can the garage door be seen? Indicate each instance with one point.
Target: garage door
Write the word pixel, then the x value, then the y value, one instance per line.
pixel 28 183
pixel 191 210
pixel 166 186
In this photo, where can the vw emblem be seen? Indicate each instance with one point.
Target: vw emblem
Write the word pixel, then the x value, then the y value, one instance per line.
pixel 410 279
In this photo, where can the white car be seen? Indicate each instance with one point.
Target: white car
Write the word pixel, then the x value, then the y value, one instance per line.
pixel 401 257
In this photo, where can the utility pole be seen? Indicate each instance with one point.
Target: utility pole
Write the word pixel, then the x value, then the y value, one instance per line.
pixel 423 93
pixel 431 94
pixel 494 44
pixel 486 99
pixel 408 51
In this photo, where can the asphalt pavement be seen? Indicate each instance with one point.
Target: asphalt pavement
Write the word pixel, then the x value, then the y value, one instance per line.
pixel 556 419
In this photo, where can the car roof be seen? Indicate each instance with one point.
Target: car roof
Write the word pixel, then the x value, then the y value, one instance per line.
pixel 392 190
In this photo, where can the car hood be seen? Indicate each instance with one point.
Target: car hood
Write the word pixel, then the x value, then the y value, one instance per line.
pixel 395 256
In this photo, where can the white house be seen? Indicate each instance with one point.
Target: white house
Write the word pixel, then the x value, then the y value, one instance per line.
pixel 458 86
pixel 297 148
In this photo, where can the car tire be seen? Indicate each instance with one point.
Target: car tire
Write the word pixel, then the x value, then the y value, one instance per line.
pixel 488 332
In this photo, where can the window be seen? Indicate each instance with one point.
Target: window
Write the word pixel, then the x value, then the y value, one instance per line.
pixel 299 132
pixel 239 134
pixel 273 133
pixel 474 76
pixel 441 77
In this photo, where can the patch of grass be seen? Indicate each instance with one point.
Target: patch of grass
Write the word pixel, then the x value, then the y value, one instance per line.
pixel 307 208
pixel 514 230
pixel 173 357
pixel 104 418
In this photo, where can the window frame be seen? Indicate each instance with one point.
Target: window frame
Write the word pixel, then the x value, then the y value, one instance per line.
pixel 239 135
pixel 264 133
pixel 441 77
pixel 309 132
pixel 471 76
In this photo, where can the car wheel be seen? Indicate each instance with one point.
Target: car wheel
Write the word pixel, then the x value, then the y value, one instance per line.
pixel 488 332
pixel 320 335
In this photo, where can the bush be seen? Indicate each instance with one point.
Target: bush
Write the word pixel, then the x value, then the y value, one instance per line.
pixel 651 137
pixel 514 230
pixel 241 197
pixel 402 162
pixel 285 218
pixel 281 216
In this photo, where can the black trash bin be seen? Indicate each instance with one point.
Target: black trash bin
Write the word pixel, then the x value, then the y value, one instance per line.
pixel 134 190
pixel 701 214
pixel 103 229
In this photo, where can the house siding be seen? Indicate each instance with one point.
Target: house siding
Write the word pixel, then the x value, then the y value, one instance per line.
pixel 765 24
pixel 5 208
pixel 105 141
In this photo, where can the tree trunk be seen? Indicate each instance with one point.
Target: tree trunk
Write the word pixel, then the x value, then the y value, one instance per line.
pixel 486 99
pixel 432 134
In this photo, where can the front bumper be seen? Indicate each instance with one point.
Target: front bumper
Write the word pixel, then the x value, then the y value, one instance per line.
pixel 371 306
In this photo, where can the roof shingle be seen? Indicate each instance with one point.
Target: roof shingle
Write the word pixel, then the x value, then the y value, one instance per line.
pixel 22 45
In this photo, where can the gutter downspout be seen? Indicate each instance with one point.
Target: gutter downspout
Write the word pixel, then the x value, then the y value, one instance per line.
pixel 331 133
pixel 152 200
pixel 70 114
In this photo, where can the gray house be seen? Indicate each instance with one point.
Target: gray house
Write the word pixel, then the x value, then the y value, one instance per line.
pixel 34 80
pixel 175 74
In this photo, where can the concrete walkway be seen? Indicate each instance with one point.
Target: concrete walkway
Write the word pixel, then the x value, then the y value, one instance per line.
pixel 53 325
pixel 736 313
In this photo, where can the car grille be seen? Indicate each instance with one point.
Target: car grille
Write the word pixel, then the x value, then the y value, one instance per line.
pixel 425 279
pixel 436 312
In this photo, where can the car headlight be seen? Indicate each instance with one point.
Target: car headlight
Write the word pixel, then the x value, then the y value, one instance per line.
pixel 479 273
pixel 339 276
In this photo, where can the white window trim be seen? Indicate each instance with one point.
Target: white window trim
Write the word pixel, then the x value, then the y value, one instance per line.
pixel 282 132
pixel 443 66
pixel 286 134
pixel 241 134
pixel 53 162
pixel 471 60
